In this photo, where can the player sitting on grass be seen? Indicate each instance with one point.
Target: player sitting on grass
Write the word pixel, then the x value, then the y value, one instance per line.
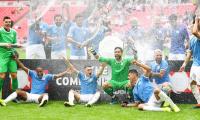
pixel 119 67
pixel 38 86
pixel 145 96
pixel 88 93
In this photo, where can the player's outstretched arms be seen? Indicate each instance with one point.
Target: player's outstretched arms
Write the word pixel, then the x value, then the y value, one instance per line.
pixel 187 59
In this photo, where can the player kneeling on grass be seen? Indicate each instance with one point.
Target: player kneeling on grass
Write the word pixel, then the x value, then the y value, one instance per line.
pixel 89 93
pixel 145 96
pixel 39 83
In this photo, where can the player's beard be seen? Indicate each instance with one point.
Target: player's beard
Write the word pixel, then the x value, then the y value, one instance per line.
pixel 7 27
pixel 40 76
pixel 118 57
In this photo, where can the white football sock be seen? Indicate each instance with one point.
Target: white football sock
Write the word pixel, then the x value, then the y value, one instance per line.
pixel 196 93
pixel 94 98
pixel 71 97
pixel 166 98
pixel 11 97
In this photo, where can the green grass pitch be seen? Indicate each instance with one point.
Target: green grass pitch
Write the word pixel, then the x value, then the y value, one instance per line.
pixel 55 110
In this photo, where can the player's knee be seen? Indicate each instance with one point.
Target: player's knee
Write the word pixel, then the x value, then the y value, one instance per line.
pixel 193 83
pixel 156 92
pixel 13 75
pixel 105 85
pixel 140 106
pixel 2 75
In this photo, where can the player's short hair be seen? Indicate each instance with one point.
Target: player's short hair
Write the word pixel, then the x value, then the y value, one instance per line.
pixel 86 66
pixel 134 71
pixel 6 17
pixel 38 67
pixel 119 48
pixel 157 50
pixel 57 15
pixel 172 17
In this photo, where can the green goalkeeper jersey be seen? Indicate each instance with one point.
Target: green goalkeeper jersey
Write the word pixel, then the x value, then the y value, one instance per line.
pixel 119 69
pixel 7 37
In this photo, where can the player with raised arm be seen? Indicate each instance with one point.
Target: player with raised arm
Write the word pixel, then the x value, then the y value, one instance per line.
pixel 38 86
pixel 120 68
pixel 88 92
pixel 147 97
pixel 194 51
